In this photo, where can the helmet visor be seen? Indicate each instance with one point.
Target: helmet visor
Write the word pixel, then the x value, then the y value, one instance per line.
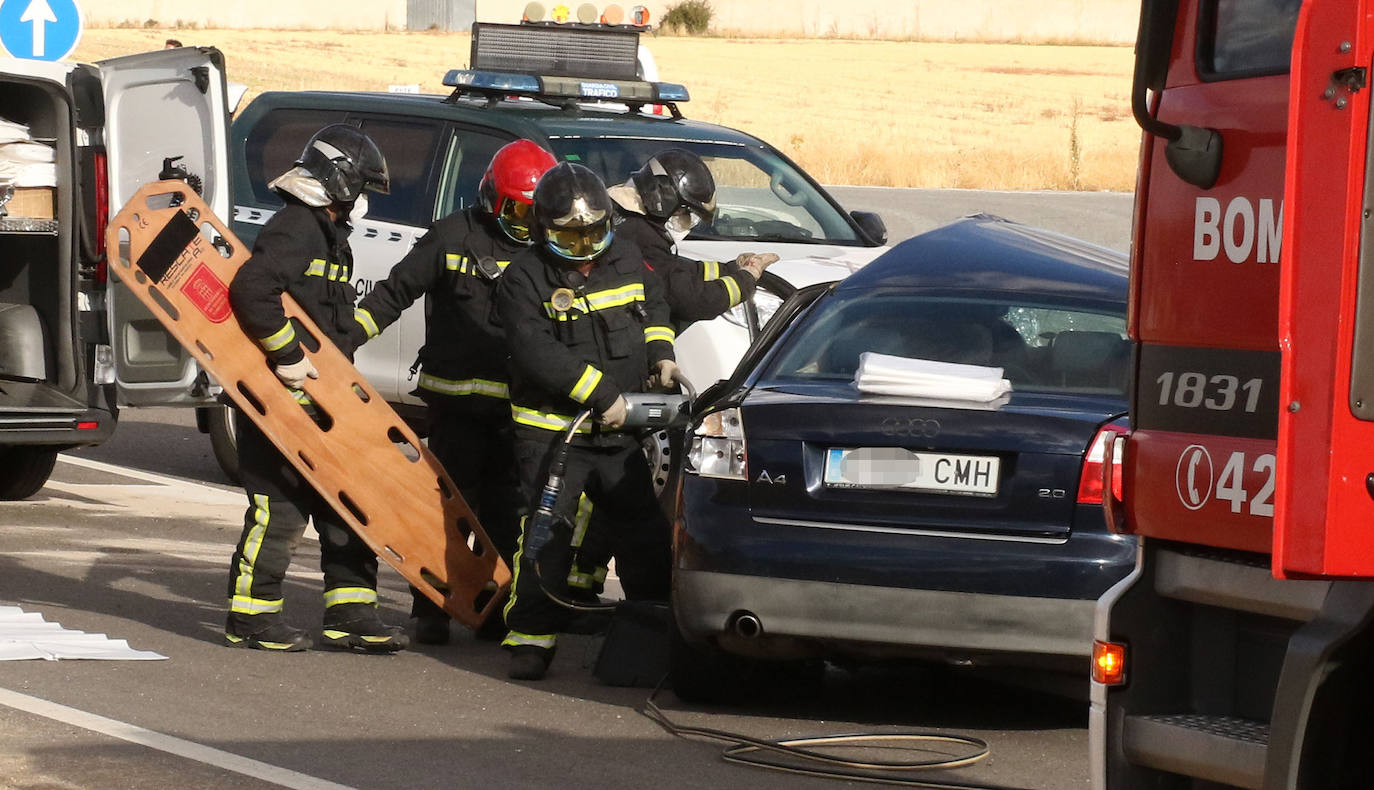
pixel 514 219
pixel 579 244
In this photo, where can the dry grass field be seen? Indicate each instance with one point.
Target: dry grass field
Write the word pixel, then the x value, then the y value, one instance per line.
pixel 883 113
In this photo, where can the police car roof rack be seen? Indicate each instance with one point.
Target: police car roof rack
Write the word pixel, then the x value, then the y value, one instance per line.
pixel 560 65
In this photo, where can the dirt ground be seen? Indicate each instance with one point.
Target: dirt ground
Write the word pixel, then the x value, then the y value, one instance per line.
pixel 881 113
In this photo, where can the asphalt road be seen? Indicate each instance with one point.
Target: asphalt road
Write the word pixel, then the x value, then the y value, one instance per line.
pixel 132 539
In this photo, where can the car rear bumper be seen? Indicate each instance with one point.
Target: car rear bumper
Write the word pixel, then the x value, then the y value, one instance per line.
pixel 707 605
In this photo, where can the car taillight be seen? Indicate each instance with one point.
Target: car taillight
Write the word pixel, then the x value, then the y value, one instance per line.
pixel 1090 481
pixel 102 215
pixel 718 446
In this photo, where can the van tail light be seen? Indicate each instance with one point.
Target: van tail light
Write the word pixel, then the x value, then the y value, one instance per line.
pixel 1102 460
pixel 102 215
pixel 1109 663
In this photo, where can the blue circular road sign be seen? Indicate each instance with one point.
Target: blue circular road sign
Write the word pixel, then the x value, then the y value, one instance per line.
pixel 40 29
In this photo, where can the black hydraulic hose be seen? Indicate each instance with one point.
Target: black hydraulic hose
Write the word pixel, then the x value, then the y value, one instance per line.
pixel 541 531
pixel 888 772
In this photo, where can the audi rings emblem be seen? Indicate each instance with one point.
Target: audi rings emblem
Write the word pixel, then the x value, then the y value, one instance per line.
pixel 914 427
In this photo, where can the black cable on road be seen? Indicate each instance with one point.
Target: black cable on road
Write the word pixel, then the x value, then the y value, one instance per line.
pixel 808 762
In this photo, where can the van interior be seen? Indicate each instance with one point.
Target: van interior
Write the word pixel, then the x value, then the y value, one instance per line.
pixel 38 353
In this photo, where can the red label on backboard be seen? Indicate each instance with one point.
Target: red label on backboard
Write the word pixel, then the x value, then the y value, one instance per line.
pixel 208 293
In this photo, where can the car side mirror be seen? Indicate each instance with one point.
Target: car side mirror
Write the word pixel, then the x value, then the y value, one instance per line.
pixel 872 225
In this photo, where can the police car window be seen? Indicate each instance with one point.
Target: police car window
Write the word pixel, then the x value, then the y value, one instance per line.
pixel 411 149
pixel 759 194
pixel 1247 37
pixel 1038 347
pixel 275 143
pixel 466 162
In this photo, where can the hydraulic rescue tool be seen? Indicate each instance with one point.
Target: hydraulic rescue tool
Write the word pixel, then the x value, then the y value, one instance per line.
pixel 339 433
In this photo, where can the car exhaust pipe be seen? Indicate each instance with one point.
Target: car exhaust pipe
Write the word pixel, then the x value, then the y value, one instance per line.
pixel 746 625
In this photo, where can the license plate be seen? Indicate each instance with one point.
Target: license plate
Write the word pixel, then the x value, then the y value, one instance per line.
pixel 898 468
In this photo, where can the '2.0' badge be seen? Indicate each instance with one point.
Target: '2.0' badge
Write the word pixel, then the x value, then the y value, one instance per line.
pixel 1193 477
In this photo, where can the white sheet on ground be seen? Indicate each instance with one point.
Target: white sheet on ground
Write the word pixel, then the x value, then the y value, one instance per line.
pixel 883 374
pixel 27 636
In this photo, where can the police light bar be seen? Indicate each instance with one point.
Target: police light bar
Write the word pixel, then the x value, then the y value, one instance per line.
pixel 546 88
pixel 588 53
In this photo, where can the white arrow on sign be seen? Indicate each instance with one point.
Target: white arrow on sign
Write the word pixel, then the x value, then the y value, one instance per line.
pixel 38 13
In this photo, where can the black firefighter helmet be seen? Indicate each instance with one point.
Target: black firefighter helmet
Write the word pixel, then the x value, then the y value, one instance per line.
pixel 346 162
pixel 573 209
pixel 675 182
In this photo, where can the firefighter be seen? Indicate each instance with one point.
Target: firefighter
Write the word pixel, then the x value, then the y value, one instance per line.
pixel 585 322
pixel 659 205
pixel 462 364
pixel 303 251
pixel 656 207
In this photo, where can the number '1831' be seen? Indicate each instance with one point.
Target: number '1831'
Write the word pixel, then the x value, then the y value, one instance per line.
pixel 1218 393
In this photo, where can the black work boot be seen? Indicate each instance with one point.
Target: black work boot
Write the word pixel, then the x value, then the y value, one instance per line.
pixel 528 662
pixel 432 629
pixel 264 632
pixel 356 626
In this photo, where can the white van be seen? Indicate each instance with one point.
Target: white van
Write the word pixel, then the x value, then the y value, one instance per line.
pixel 74 344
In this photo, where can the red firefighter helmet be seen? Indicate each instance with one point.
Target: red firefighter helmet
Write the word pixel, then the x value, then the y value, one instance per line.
pixel 507 188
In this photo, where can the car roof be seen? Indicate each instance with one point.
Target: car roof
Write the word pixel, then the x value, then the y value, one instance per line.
pixel 986 253
pixel 521 116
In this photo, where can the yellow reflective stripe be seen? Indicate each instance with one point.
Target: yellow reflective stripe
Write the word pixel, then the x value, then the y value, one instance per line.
pixel 566 315
pixel 580 581
pixel 244 604
pixel 342 595
pixel 581 520
pixel 301 397
pixel 614 297
pixel 252 544
pixel 732 288
pixel 455 262
pixel 545 420
pixel 334 271
pixel 492 389
pixel 516 639
pixel 586 385
pixel 515 572
pixel 710 270
pixel 664 333
pixel 502 265
pixel 369 323
pixel 279 339
pixel 599 575
pixel 316 268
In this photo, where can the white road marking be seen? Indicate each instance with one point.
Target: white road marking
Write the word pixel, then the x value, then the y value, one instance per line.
pixel 165 743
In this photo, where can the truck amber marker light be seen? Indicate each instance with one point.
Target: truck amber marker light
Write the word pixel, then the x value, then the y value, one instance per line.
pixel 1109 663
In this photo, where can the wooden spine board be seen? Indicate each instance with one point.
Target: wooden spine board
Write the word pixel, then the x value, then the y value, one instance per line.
pixel 334 461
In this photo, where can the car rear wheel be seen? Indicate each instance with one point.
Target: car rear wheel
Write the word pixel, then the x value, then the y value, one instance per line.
pixel 24 470
pixel 664 452
pixel 224 441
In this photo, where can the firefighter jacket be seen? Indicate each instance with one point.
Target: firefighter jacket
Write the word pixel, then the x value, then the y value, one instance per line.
pixel 456 265
pixel 578 342
pixel 302 252
pixel 695 290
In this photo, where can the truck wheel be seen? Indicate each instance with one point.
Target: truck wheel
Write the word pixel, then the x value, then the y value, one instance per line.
pixel 24 470
pixel 224 441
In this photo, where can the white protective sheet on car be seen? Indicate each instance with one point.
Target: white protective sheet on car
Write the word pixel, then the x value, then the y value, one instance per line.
pixel 27 636
pixel 884 374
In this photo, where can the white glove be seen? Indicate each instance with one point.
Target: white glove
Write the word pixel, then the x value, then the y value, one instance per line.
pixel 614 416
pixel 664 376
pixel 295 374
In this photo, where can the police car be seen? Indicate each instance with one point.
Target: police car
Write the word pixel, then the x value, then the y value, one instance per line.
pixel 576 90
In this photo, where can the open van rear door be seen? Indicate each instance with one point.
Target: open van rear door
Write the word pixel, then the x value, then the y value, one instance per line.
pixel 1325 485
pixel 163 108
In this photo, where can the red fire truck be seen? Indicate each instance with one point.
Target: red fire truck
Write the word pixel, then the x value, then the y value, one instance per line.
pixel 1241 651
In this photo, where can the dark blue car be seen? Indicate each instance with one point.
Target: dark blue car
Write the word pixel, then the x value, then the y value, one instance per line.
pixel 818 521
